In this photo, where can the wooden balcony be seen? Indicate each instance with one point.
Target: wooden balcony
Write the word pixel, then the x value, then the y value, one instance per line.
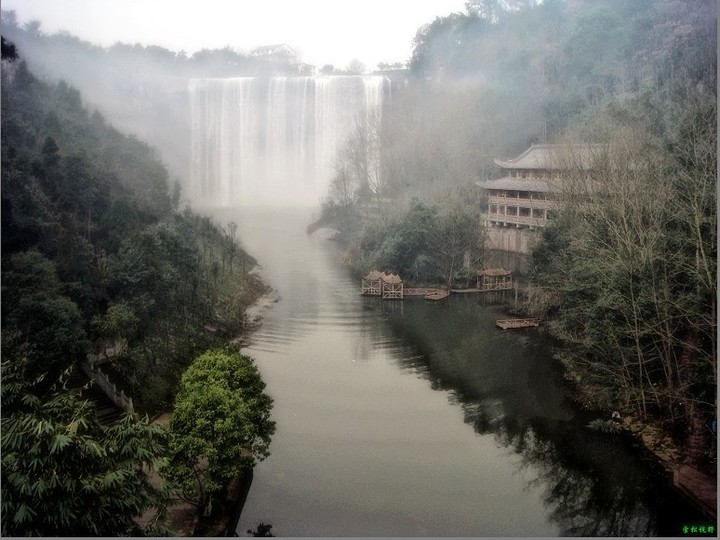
pixel 523 202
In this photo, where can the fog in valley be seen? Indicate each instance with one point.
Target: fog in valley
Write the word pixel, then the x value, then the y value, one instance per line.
pixel 466 94
pixel 285 243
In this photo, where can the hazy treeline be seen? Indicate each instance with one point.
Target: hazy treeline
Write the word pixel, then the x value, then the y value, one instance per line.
pixel 143 89
pixel 627 272
pixel 490 82
pixel 489 88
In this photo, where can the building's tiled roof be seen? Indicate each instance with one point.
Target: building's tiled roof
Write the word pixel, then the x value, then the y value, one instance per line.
pixel 520 184
pixel 553 157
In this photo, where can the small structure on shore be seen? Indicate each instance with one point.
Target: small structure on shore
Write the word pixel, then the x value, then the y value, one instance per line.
pixel 372 284
pixel 387 286
pixel 494 279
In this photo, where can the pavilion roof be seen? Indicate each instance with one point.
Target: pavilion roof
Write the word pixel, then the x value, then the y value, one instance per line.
pixel 386 277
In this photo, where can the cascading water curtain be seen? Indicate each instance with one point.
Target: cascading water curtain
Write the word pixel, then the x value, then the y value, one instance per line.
pixel 274 140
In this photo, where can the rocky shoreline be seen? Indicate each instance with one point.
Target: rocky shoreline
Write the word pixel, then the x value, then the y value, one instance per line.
pixel 695 484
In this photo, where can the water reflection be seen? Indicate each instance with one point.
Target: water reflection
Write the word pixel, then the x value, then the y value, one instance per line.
pixel 593 484
pixel 416 418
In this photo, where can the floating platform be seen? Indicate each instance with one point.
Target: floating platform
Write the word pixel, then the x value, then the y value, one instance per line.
pixel 437 295
pixel 507 324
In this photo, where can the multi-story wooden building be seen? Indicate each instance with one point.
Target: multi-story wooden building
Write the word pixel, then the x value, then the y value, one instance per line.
pixel 526 197
pixel 526 194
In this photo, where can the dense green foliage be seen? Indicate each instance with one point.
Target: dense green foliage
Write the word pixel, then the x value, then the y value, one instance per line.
pixel 88 211
pixel 426 244
pixel 95 254
pixel 220 424
pixel 63 473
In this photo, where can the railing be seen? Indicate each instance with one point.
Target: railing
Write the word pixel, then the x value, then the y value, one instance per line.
pixel 371 288
pixel 392 291
pixel 523 202
pixel 496 286
pixel 96 375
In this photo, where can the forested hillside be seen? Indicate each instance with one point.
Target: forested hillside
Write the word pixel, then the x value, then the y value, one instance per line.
pixel 96 254
pixel 490 82
pixel 488 85
pixel 89 212
pixel 628 271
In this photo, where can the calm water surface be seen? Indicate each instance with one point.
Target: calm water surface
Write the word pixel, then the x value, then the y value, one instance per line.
pixel 415 418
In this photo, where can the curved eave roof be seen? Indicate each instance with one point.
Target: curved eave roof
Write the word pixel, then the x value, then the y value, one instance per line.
pixel 538 156
pixel 519 184
pixel 554 157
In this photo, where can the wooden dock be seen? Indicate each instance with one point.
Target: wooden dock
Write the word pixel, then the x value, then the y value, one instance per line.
pixel 475 290
pixel 421 291
pixel 507 324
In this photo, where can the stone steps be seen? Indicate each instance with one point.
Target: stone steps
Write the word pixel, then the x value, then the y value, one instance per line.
pixel 106 411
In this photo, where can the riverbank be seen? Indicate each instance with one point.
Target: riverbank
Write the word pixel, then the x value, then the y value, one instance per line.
pixel 183 517
pixel 697 485
pixel 695 482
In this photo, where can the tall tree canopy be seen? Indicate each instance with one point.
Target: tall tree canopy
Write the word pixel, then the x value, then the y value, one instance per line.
pixel 220 424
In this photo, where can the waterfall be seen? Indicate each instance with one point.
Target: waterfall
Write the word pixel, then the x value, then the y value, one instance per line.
pixel 274 140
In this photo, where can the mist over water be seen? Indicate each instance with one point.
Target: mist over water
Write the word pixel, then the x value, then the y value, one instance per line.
pixel 274 140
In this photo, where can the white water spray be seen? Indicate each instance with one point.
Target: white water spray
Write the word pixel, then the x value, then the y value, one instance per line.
pixel 274 140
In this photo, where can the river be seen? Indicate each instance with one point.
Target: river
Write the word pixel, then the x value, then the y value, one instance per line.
pixel 422 419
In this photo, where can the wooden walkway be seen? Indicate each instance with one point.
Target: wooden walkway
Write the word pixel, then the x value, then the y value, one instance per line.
pixel 476 290
pixel 421 291
pixel 507 324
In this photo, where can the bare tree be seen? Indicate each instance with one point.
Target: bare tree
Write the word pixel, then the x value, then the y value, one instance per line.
pixel 633 268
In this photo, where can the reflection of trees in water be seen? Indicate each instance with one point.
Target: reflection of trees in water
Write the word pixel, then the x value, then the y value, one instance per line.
pixel 591 488
pixel 594 485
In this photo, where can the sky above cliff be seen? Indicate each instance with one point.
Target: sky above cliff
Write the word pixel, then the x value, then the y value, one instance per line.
pixel 322 31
